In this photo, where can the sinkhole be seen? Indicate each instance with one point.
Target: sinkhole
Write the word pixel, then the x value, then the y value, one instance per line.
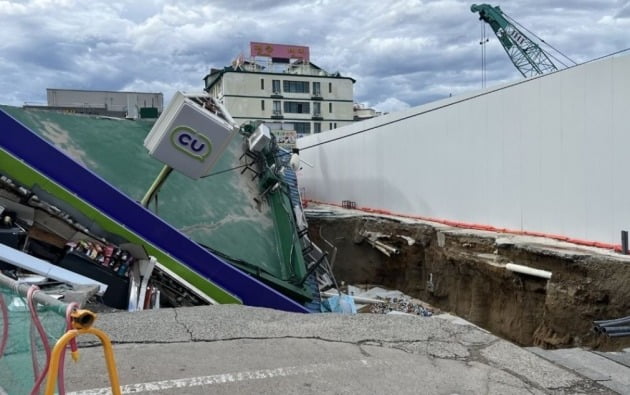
pixel 463 272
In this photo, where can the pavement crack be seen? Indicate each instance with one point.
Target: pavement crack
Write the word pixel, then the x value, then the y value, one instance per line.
pixel 363 351
pixel 96 344
pixel 183 324
pixel 402 345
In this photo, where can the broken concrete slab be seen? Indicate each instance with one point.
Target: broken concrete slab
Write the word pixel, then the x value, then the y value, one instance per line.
pixel 621 357
pixel 231 348
pixel 596 366
pixel 524 363
pixel 80 294
pixel 148 326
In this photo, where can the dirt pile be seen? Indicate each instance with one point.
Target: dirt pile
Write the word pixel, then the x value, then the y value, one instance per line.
pixel 463 272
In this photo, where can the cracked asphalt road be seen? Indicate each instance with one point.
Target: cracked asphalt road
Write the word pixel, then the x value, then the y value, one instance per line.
pixel 238 349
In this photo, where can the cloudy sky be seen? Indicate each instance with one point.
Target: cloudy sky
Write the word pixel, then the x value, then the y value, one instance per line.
pixel 402 53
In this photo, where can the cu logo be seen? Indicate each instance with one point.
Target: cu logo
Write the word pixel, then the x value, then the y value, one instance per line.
pixel 191 142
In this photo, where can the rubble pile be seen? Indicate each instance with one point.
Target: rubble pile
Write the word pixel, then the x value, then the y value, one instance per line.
pixel 401 305
pixel 378 300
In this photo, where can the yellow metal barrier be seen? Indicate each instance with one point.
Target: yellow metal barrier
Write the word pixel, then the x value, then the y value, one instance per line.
pixel 81 322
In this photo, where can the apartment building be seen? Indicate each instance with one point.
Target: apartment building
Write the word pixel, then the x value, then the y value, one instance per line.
pixel 280 86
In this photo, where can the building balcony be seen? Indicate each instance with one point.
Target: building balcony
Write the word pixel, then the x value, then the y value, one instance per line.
pixel 277 95
pixel 277 115
pixel 316 96
pixel 317 116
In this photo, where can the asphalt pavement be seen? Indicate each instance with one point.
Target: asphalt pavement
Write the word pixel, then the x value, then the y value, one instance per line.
pixel 231 349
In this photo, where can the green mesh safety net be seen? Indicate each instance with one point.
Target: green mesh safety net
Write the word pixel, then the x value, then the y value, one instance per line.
pixel 22 352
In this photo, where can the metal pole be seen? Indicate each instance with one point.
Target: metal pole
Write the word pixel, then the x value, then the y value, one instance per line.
pixel 39 297
pixel 166 170
pixel 624 242
pixel 313 268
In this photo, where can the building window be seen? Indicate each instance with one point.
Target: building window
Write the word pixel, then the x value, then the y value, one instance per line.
pixel 330 87
pixel 317 127
pixel 262 83
pixel 277 110
pixel 297 107
pixel 330 126
pixel 330 107
pixel 302 127
pixel 262 105
pixel 317 109
pixel 296 86
pixel 316 89
pixel 275 87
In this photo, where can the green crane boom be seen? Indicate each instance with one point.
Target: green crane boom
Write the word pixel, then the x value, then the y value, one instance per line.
pixel 526 55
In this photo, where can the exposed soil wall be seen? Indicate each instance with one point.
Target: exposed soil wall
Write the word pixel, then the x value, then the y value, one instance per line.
pixel 462 272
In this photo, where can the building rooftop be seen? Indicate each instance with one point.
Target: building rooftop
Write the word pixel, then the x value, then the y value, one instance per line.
pixel 273 59
pixel 103 91
pixel 272 67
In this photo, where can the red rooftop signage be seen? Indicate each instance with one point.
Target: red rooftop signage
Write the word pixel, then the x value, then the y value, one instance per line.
pixel 280 51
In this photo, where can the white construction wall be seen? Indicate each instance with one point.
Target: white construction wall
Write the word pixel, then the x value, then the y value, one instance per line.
pixel 549 154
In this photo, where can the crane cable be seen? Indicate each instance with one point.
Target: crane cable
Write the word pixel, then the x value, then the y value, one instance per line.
pixel 449 104
pixel 482 42
pixel 552 56
pixel 542 41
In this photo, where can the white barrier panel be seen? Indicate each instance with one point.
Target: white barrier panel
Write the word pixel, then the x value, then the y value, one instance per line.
pixel 44 268
pixel 548 154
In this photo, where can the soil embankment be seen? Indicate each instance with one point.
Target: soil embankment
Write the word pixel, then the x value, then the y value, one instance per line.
pixel 463 272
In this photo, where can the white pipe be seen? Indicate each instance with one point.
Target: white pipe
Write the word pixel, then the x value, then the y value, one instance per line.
pixel 389 248
pixel 378 247
pixel 528 270
pixel 382 247
pixel 357 299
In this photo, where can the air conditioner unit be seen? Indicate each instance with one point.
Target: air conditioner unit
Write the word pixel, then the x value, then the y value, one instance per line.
pixel 191 134
pixel 260 139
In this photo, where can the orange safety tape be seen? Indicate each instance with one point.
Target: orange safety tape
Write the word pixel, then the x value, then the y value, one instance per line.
pixel 490 228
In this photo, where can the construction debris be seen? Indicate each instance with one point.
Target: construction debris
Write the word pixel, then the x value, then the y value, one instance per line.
pixel 402 305
pixel 410 240
pixel 377 300
pixel 45 245
pixel 340 303
pixel 373 239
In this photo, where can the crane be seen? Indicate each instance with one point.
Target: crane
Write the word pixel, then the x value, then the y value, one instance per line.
pixel 527 56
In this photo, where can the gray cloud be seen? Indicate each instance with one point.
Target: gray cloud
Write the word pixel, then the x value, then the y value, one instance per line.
pixel 624 11
pixel 403 52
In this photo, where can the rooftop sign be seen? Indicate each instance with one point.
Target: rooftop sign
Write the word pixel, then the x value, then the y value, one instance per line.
pixel 281 51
